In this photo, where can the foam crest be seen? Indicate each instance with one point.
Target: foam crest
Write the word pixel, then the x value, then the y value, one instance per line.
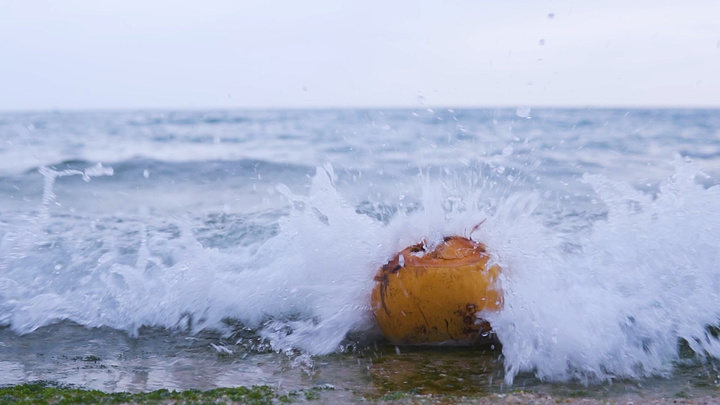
pixel 313 279
pixel 643 279
pixel 610 300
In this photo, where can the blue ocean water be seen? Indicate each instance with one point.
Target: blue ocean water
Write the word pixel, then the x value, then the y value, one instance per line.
pixel 271 224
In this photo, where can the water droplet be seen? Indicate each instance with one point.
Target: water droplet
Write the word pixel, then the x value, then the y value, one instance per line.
pixel 541 42
pixel 146 173
pixel 551 15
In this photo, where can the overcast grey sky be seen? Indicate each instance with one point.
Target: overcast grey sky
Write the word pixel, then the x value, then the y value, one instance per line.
pixel 86 54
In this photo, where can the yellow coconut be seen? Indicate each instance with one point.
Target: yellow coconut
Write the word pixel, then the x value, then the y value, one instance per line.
pixel 425 297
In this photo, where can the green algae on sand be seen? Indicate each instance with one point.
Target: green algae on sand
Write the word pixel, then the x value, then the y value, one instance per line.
pixel 52 393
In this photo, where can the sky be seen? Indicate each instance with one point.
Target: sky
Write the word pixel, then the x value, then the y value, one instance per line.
pixel 134 54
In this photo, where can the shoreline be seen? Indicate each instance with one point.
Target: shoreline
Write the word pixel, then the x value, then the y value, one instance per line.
pixel 44 392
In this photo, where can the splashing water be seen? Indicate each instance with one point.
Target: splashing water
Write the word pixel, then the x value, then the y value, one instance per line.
pixel 640 282
pixel 613 299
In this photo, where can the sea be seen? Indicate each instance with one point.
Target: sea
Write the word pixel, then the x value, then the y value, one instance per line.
pixel 155 249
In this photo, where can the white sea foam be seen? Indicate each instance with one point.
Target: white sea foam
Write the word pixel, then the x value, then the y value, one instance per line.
pixel 615 305
pixel 644 278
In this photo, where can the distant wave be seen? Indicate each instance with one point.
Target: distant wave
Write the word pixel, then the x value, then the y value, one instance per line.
pixel 207 170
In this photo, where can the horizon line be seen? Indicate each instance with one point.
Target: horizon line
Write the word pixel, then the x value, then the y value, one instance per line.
pixel 359 108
